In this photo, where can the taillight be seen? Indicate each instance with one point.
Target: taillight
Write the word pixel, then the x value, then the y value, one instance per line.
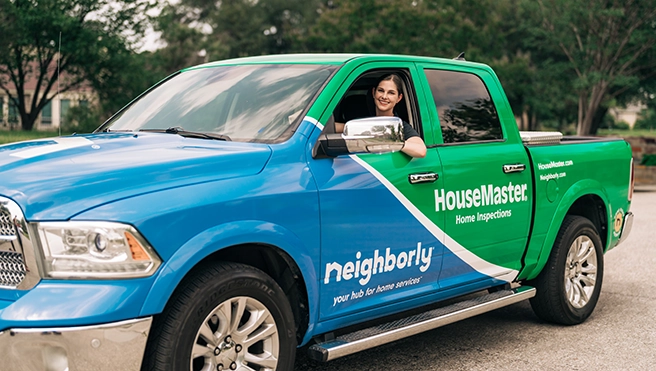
pixel 631 182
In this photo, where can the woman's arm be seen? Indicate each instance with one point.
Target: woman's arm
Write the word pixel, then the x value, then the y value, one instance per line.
pixel 414 147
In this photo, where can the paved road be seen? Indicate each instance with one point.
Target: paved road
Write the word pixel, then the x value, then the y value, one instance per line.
pixel 620 334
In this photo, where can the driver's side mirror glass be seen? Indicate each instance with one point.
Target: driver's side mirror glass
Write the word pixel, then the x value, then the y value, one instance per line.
pixel 379 134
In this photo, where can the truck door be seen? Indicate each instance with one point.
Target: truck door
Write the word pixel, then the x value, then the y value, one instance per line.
pixel 376 251
pixel 487 188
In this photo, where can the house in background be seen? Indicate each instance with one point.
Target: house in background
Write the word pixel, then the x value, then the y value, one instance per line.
pixel 628 114
pixel 53 115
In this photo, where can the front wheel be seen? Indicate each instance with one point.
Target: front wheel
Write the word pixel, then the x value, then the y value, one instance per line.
pixel 224 317
pixel 569 285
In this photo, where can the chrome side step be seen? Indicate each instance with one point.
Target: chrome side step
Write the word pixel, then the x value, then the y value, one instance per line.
pixel 404 327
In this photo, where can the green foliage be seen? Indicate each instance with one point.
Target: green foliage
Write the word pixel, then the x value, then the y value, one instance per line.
pixel 124 78
pixel 647 120
pixel 93 45
pixel 82 120
pixel 428 27
pixel 609 122
pixel 648 160
pixel 621 125
pixel 197 30
pixel 606 46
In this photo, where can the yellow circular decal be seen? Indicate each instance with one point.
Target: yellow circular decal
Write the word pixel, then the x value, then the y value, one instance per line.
pixel 619 218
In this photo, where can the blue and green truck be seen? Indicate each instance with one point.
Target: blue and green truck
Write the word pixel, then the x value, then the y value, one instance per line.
pixel 218 222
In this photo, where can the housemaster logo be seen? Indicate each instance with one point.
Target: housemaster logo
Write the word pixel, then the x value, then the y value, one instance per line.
pixel 488 194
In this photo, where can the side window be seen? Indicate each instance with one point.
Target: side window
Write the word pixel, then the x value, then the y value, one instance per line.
pixel 464 106
pixel 358 101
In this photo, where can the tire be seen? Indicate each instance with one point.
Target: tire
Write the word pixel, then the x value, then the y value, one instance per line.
pixel 224 316
pixel 569 285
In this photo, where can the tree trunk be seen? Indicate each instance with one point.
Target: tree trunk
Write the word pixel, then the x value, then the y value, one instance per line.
pixel 588 107
pixel 523 119
pixel 27 121
pixel 597 119
pixel 579 124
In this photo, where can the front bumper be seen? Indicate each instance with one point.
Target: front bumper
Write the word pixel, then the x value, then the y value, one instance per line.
pixel 107 347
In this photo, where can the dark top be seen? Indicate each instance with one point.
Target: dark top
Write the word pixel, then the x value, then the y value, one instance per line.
pixel 409 131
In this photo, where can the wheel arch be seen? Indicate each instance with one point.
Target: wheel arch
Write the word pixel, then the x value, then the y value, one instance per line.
pixel 278 265
pixel 268 247
pixel 592 207
pixel 585 198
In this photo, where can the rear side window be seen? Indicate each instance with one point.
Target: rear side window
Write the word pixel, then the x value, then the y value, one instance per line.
pixel 466 111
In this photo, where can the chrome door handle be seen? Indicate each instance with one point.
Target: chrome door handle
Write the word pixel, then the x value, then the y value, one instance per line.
pixel 422 178
pixel 515 168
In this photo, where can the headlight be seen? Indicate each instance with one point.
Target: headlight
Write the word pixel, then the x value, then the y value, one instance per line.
pixel 95 250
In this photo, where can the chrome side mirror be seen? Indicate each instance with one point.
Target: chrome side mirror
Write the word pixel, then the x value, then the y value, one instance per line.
pixel 380 134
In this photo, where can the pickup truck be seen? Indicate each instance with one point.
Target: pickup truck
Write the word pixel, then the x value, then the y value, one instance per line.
pixel 218 222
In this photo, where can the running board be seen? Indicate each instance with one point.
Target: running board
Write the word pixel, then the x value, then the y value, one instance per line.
pixel 385 333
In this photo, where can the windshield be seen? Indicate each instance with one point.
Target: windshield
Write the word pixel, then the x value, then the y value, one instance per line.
pixel 244 103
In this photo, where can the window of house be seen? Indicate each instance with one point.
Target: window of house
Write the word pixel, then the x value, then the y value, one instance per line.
pixel 64 105
pixel 83 103
pixel 12 116
pixel 46 114
pixel 464 106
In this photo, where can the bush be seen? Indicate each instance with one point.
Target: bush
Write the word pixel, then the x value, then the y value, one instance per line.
pixel 608 122
pixel 621 125
pixel 647 120
pixel 82 119
pixel 648 160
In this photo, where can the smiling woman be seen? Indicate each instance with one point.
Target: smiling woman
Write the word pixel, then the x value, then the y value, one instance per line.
pixel 387 93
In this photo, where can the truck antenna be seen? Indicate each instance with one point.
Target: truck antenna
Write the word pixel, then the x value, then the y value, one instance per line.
pixel 460 57
pixel 58 97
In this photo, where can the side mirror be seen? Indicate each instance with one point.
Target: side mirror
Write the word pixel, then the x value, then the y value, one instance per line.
pixel 382 134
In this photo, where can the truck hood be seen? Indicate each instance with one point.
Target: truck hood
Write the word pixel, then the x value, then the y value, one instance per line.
pixel 54 179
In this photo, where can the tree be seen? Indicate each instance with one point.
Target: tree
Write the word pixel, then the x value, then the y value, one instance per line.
pixel 93 33
pixel 605 43
pixel 213 30
pixel 422 27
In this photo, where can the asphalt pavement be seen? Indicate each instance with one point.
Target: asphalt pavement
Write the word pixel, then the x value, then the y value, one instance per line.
pixel 620 334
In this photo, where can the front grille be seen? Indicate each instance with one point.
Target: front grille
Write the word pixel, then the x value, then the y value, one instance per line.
pixel 12 268
pixel 6 226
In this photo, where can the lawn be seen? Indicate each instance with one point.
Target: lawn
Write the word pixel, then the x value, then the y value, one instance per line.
pixel 627 133
pixel 17 136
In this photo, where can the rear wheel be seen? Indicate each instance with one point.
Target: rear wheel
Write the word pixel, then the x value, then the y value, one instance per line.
pixel 224 317
pixel 569 285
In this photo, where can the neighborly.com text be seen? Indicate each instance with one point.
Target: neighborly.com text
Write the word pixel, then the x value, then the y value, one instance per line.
pixel 546 177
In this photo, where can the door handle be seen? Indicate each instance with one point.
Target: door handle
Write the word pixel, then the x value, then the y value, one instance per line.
pixel 514 168
pixel 422 178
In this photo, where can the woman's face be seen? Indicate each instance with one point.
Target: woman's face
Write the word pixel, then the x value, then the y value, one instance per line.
pixel 386 96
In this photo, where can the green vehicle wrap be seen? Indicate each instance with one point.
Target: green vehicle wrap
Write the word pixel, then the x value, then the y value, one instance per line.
pixel 593 173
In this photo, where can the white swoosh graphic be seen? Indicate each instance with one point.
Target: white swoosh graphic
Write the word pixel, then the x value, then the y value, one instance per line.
pixel 480 265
